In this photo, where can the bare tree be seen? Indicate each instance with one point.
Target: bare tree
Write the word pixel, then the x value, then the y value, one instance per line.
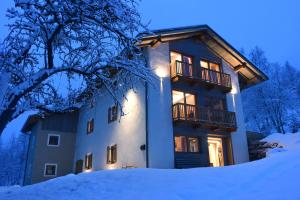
pixel 273 105
pixel 90 43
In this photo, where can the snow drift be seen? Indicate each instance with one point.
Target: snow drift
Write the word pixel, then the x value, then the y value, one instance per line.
pixel 275 177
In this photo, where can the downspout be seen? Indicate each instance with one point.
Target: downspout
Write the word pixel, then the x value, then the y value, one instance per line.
pixel 147 135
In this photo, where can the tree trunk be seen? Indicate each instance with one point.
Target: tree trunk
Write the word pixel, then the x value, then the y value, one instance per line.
pixel 5 118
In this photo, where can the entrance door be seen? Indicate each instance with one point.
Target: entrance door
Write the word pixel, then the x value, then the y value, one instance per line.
pixel 215 150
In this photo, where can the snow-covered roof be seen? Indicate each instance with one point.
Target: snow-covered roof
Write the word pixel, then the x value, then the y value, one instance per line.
pixel 247 70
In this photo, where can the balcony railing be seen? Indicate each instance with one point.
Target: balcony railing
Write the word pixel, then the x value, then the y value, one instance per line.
pixel 186 70
pixel 203 115
pixel 215 77
pixel 183 111
pixel 182 69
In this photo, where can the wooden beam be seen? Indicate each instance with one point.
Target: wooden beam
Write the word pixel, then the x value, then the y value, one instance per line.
pixel 239 67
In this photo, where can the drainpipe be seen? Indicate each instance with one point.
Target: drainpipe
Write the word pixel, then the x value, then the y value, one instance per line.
pixel 147 135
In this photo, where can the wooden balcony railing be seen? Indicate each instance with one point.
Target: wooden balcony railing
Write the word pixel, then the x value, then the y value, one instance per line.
pixel 182 69
pixel 187 72
pixel 218 117
pixel 203 115
pixel 215 77
pixel 183 111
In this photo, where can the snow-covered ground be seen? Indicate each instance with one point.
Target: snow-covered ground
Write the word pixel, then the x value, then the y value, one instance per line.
pixel 275 177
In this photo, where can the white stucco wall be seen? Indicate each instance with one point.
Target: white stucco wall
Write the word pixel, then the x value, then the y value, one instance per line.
pixel 128 133
pixel 234 103
pixel 160 127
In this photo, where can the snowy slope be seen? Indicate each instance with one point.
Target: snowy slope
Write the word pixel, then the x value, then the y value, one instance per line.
pixel 276 177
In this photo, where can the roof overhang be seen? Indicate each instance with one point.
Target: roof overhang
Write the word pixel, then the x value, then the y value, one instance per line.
pixel 30 122
pixel 247 70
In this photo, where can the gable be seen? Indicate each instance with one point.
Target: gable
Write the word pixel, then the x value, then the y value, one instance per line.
pixel 246 69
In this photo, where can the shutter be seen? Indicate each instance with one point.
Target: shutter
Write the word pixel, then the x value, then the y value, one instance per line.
pixel 116 112
pixel 114 153
pixel 108 160
pixel 92 125
pixel 85 162
pixel 90 161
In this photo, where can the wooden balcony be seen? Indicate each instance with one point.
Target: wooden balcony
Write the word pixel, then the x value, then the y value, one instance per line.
pixel 204 117
pixel 185 72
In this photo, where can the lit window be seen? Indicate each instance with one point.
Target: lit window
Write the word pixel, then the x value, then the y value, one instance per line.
pixel 50 169
pixel 181 97
pixel 113 113
pixel 193 144
pixel 181 64
pixel 53 140
pixel 214 67
pixel 90 126
pixel 88 162
pixel 112 154
pixel 180 144
pixel 204 64
pixel 186 144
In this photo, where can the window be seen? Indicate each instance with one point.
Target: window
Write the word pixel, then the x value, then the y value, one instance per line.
pixel 186 144
pixel 182 97
pixel 193 144
pixel 184 105
pixel 90 126
pixel 112 154
pixel 215 103
pixel 113 113
pixel 181 64
pixel 209 71
pixel 210 65
pixel 88 161
pixel 50 169
pixel 53 140
pixel 180 144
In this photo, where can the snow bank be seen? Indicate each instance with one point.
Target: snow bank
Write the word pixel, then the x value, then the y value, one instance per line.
pixel 275 177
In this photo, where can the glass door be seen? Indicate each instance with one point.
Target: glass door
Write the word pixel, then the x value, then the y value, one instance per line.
pixel 215 150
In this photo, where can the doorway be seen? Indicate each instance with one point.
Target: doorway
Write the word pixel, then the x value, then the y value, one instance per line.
pixel 215 150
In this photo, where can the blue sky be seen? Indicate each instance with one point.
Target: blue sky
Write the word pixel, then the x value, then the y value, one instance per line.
pixel 272 25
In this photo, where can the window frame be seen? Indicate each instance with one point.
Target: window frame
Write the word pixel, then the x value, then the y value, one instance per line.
pixel 213 62
pixel 187 144
pixel 111 154
pixel 45 169
pixel 87 164
pixel 113 116
pixel 184 95
pixel 181 55
pixel 48 140
pixel 89 130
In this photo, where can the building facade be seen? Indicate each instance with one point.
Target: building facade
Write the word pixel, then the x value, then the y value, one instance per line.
pixel 193 118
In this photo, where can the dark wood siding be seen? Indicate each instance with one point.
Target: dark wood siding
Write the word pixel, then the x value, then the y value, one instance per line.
pixel 61 122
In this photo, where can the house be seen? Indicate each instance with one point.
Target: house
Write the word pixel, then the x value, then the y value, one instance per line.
pixel 193 119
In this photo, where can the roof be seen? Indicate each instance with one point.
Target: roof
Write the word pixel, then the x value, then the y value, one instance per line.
pixel 251 73
pixel 30 122
pixel 33 119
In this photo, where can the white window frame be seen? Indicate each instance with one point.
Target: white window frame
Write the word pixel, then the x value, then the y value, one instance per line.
pixel 46 164
pixel 51 145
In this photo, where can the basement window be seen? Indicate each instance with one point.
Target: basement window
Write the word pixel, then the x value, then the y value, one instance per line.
pixel 112 154
pixel 50 169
